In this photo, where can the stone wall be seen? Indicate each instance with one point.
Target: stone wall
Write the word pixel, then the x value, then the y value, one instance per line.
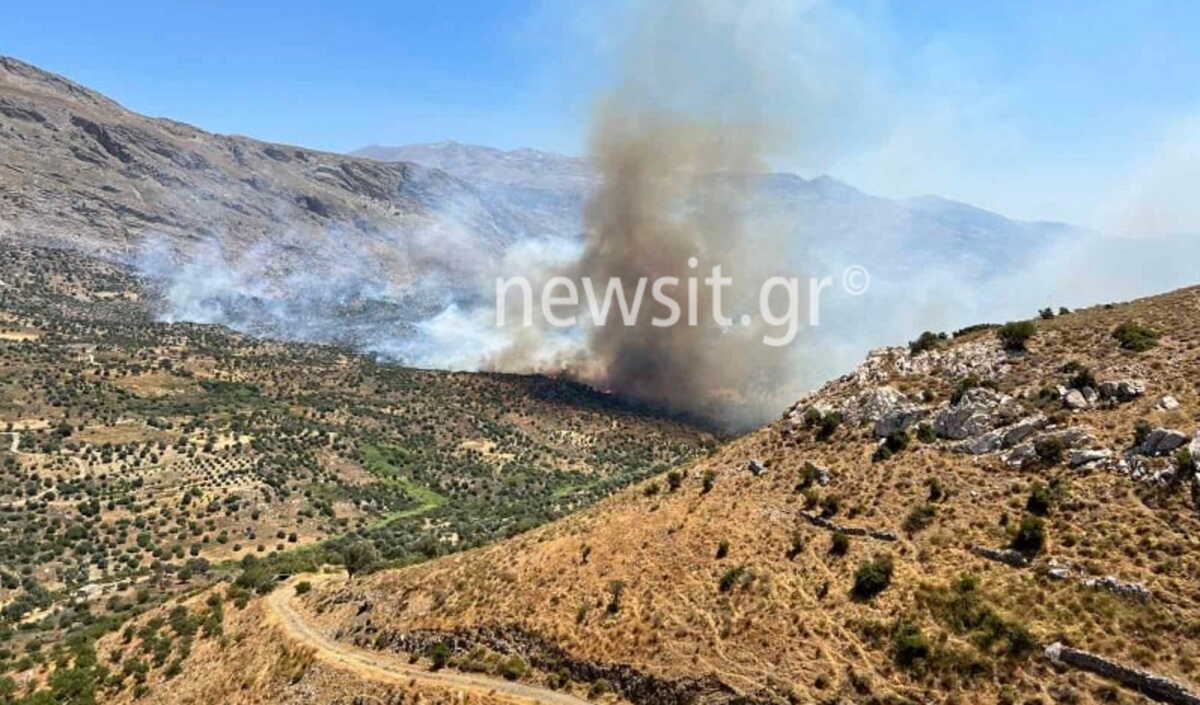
pixel 1152 686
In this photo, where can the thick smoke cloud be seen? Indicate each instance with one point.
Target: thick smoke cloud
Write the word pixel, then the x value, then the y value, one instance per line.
pixel 676 144
pixel 707 92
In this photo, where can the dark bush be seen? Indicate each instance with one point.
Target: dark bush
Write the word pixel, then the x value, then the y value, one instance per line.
pixel 1141 431
pixel 1082 378
pixel 440 654
pixel 919 518
pixel 872 577
pixel 1049 450
pixel 1030 537
pixel 828 425
pixel 732 578
pixel 1016 335
pixel 926 341
pixel 1135 337
pixel 909 644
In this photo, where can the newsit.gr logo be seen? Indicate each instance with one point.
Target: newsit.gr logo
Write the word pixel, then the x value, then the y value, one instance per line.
pixel 780 304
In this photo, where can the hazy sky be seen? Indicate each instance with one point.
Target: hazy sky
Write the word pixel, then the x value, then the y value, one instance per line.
pixel 1088 112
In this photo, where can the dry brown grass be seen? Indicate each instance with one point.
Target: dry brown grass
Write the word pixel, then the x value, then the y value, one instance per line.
pixel 792 626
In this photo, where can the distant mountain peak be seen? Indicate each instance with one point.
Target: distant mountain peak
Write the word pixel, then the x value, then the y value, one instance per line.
pixel 523 167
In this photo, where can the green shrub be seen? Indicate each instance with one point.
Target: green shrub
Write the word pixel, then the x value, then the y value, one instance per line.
pixel 732 578
pixel 839 544
pixel 722 549
pixel 798 544
pixel 514 667
pixel 707 483
pixel 909 644
pixel 1049 450
pixel 360 557
pixel 828 425
pixel 1030 537
pixel 809 474
pixel 615 590
pixel 1141 431
pixel 674 480
pixel 1041 498
pixel 926 341
pixel 1135 337
pixel 1016 335
pixel 439 654
pixel 968 383
pixel 975 329
pixel 873 577
pixel 1083 378
pixel 303 587
pixel 919 518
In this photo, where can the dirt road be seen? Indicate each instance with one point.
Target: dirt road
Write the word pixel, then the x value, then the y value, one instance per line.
pixel 378 666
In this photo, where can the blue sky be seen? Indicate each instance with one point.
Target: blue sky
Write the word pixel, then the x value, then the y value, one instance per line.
pixel 1044 109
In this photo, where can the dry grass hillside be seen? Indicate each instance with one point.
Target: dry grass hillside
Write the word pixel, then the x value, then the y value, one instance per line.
pixel 729 579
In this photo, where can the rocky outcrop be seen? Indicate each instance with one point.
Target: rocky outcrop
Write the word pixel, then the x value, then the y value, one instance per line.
pixel 1153 686
pixel 978 411
pixel 1070 439
pixel 873 404
pixel 1003 438
pixel 1161 441
pixel 1123 390
pixel 1115 585
pixel 1087 456
pixel 634 685
pixel 900 418
pixel 879 534
pixel 1074 399
pixel 1007 556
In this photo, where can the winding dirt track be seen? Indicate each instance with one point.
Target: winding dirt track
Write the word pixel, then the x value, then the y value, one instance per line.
pixel 383 667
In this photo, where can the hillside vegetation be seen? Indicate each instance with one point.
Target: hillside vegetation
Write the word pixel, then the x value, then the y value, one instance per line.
pixel 916 531
pixel 141 461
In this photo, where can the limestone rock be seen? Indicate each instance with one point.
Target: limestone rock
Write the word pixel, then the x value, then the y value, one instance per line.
pixel 1112 584
pixel 900 418
pixel 874 404
pixel 978 411
pixel 1162 441
pixel 1075 400
pixel 1002 438
pixel 1123 389
pixel 1005 555
pixel 1168 403
pixel 1077 458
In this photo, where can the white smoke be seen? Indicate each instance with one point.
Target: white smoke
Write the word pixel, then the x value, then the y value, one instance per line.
pixel 779 76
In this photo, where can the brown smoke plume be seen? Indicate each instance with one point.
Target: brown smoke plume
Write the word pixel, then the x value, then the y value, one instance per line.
pixel 677 145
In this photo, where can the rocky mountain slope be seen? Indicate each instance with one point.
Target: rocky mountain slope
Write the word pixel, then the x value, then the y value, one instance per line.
pixel 832 219
pixel 79 169
pixel 918 530
pixel 1006 515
